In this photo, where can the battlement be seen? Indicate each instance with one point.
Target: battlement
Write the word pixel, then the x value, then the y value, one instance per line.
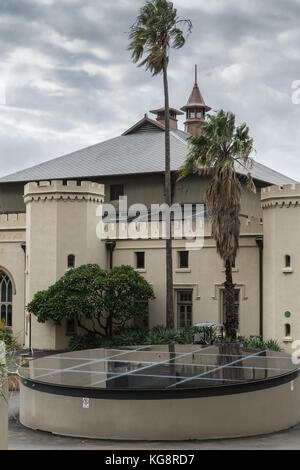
pixel 281 191
pixel 12 221
pixel 58 189
pixel 286 195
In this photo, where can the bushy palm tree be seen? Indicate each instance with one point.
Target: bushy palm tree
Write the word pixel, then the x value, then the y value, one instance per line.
pixel 156 30
pixel 219 151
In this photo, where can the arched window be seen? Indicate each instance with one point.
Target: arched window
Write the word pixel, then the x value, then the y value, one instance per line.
pixel 6 293
pixel 71 261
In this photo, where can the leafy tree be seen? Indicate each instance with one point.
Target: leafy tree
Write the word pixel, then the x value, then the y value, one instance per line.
pixel 98 300
pixel 156 30
pixel 218 151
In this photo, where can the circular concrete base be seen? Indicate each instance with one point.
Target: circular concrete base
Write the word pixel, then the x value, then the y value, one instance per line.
pixel 210 417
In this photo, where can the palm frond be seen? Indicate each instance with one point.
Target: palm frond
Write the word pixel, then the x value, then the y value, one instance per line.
pixel 155 31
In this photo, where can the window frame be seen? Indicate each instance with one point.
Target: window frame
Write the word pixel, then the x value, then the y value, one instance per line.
pixel 7 301
pixel 180 253
pixel 136 255
pixel 184 303
pixel 73 257
pixel 122 192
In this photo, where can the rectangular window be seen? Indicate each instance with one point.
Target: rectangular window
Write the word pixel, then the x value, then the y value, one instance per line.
pixel 184 308
pixel 116 190
pixel 183 259
pixel 236 308
pixel 140 260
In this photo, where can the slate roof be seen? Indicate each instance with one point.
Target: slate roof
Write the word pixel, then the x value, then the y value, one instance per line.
pixel 139 152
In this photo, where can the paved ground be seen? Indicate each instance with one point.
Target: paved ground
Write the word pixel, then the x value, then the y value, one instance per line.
pixel 23 438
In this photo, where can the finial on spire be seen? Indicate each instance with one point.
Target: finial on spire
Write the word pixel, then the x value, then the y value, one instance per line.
pixel 196 73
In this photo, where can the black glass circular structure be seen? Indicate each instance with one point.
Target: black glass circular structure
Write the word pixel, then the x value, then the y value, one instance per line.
pixel 159 372
pixel 167 392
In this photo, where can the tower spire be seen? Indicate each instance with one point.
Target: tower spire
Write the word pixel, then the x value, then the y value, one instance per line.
pixel 195 108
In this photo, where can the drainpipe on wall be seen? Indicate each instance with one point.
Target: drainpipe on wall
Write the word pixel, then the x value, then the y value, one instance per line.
pixel 260 244
pixel 23 246
pixel 110 245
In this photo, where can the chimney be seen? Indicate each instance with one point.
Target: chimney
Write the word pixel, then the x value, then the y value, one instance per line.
pixel 173 113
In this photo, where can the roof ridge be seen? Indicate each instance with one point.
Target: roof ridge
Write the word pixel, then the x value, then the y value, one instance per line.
pixel 177 137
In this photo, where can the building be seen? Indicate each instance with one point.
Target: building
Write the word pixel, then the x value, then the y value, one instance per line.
pixel 48 225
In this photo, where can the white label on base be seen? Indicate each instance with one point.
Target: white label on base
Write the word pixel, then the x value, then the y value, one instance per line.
pixel 85 403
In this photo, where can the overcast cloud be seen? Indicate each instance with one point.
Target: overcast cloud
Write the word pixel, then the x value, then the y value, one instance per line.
pixel 69 81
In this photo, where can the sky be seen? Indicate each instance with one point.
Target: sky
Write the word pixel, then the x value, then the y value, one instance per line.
pixel 67 80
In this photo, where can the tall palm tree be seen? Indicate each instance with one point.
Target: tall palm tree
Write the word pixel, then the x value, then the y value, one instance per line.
pixel 218 151
pixel 156 30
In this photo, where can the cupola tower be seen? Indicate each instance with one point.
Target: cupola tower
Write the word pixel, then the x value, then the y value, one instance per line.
pixel 195 109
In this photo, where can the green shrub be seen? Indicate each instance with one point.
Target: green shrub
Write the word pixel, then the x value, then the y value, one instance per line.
pixel 161 335
pixel 134 336
pixel 78 342
pixel 257 343
pixel 7 337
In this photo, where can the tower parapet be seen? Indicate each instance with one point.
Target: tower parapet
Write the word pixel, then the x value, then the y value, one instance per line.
pixel 57 189
pixel 286 195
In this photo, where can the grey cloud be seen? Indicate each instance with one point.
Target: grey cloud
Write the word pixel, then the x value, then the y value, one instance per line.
pixel 69 61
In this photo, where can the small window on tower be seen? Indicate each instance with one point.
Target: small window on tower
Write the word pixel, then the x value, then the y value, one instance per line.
pixel 287 329
pixel 287 261
pixel 116 190
pixel 71 261
pixel 192 114
pixel 199 114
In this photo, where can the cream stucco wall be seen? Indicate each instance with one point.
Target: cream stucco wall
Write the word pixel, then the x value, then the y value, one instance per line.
pixel 205 278
pixel 281 213
pixel 12 262
pixel 61 220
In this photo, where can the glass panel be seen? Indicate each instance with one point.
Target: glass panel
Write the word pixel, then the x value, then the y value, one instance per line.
pixel 9 315
pixel 3 313
pixel 9 296
pixel 158 367
pixel 3 290
pixel 71 261
pixel 140 259
pixel 183 259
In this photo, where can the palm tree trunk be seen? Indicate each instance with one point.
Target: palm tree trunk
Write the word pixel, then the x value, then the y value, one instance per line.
pixel 229 302
pixel 168 197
